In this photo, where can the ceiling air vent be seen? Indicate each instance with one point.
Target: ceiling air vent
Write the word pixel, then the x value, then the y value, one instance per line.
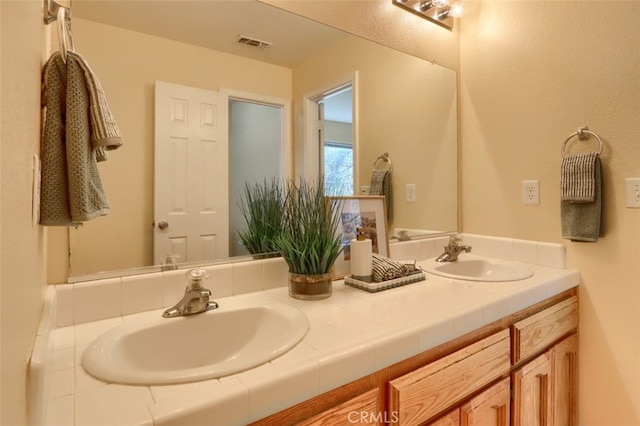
pixel 254 42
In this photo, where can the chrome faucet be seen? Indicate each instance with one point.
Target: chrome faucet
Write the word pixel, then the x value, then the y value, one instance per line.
pixel 453 249
pixel 170 263
pixel 196 297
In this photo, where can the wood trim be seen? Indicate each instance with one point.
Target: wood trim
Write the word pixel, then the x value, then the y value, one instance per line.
pixel 309 408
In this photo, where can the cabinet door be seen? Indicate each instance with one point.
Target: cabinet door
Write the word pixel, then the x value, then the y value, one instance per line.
pixel 452 418
pixel 541 330
pixel 565 380
pixel 420 395
pixel 490 408
pixel 362 409
pixel 532 401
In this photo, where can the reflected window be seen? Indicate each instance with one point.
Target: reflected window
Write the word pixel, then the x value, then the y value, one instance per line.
pixel 338 168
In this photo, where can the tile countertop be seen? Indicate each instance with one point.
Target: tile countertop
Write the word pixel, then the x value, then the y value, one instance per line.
pixel 352 333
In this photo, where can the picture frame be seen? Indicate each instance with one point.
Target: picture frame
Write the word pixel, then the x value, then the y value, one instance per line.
pixel 367 212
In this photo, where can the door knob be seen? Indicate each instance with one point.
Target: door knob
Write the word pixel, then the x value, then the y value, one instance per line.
pixel 163 225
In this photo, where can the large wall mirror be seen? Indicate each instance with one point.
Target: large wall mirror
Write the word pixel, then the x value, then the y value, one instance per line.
pixel 403 105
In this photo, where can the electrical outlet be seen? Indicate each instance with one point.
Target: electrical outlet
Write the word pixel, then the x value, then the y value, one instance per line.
pixel 411 193
pixel 364 190
pixel 632 189
pixel 531 192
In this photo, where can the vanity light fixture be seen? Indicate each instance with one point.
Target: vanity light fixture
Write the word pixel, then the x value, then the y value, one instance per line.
pixel 440 12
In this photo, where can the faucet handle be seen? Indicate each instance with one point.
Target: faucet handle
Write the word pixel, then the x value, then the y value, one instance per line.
pixel 455 239
pixel 196 277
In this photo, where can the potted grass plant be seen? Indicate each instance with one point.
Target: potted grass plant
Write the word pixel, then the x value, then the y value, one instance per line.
pixel 262 209
pixel 309 241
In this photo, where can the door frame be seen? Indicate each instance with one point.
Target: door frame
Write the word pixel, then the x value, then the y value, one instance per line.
pixel 286 151
pixel 311 149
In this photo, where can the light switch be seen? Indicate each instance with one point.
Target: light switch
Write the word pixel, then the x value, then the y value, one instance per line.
pixel 411 193
pixel 632 187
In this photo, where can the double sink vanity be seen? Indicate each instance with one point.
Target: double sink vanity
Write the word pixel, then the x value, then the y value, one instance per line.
pixel 440 351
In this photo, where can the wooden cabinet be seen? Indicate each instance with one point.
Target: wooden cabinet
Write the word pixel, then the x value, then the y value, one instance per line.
pixel 545 388
pixel 489 408
pixel 520 370
pixel 532 392
pixel 362 409
pixel 423 393
pixel 539 331
pixel 565 382
pixel 452 418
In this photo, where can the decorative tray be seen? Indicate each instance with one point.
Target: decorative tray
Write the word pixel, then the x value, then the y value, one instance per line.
pixel 374 287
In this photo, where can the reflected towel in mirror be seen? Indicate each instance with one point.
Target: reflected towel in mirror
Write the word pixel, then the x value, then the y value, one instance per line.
pixel 381 185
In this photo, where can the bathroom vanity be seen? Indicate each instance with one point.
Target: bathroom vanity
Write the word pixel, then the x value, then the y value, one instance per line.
pixel 440 351
pixel 519 370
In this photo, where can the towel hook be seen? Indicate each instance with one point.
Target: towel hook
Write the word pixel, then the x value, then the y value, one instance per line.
pixel 383 158
pixel 583 134
pixel 56 12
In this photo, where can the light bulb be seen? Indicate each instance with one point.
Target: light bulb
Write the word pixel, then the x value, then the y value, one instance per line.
pixel 457 10
pixel 440 3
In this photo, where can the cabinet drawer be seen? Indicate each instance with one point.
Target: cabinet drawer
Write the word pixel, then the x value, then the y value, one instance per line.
pixel 363 409
pixel 535 333
pixel 423 393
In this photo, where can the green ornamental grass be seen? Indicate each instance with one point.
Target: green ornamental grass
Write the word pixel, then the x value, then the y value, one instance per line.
pixel 309 241
pixel 262 209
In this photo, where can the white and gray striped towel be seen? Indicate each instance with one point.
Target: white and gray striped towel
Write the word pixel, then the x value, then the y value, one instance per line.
pixel 577 179
pixel 385 269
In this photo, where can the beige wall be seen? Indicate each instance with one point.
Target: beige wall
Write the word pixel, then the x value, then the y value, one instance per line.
pixel 530 76
pixel 22 282
pixel 407 108
pixel 127 64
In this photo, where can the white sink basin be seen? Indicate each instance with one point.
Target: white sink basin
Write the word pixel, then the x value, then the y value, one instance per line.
pixel 478 269
pixel 154 350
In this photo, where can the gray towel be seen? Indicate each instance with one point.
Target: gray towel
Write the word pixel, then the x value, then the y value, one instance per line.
pixel 71 188
pixel 381 185
pixel 577 177
pixel 584 221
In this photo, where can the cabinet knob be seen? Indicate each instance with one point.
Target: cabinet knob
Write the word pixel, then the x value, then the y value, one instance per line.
pixel 163 225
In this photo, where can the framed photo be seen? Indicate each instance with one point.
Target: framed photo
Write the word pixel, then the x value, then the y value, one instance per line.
pixel 368 213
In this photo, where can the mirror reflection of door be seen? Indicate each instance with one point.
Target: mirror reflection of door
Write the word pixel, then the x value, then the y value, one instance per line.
pixel 191 203
pixel 255 141
pixel 335 110
pixel 208 144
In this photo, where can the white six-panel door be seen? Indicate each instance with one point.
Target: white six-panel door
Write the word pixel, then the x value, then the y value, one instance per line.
pixel 191 211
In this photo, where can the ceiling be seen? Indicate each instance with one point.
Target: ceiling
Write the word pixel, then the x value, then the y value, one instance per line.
pixel 216 24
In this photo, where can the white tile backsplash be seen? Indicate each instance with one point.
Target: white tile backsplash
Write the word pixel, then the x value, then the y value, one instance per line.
pixel 142 293
pixel 64 311
pixel 220 280
pixel 247 277
pixel 551 255
pixel 95 300
pixel 525 251
pixel 276 272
